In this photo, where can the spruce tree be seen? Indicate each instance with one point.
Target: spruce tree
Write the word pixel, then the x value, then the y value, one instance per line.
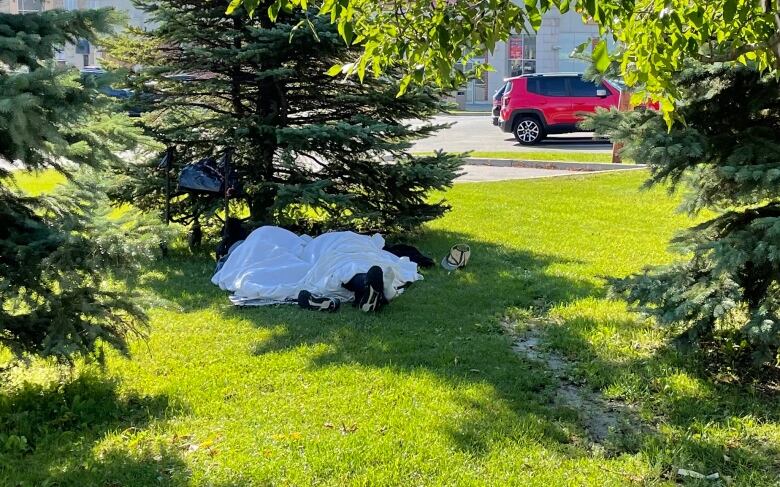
pixel 56 251
pixel 726 158
pixel 311 150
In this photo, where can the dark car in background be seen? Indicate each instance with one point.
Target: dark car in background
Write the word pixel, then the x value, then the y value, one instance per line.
pixel 102 78
pixel 497 96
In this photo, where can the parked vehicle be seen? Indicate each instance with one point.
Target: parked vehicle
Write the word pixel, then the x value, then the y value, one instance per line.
pixel 123 95
pixel 497 97
pixel 536 105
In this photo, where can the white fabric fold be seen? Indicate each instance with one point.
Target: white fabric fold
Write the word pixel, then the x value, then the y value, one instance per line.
pixel 273 265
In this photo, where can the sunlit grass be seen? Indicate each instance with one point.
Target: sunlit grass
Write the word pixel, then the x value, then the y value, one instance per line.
pixel 37 182
pixel 426 393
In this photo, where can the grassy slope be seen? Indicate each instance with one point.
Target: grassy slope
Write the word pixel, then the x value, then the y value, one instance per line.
pixel 427 392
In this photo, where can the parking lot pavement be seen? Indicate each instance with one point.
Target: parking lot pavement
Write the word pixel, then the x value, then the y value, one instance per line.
pixel 477 133
pixel 475 174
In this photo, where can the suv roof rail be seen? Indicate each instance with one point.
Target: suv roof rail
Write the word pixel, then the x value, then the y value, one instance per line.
pixel 543 75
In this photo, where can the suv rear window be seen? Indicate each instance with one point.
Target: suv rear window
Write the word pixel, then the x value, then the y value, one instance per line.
pixel 547 86
pixel 580 87
pixel 501 91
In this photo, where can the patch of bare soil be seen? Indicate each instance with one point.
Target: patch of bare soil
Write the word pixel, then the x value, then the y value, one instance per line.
pixel 598 415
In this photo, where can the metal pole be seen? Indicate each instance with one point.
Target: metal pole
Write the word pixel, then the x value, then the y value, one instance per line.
pixel 228 157
pixel 168 167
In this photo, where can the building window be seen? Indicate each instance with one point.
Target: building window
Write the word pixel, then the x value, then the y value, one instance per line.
pixel 521 54
pixel 29 6
pixel 82 46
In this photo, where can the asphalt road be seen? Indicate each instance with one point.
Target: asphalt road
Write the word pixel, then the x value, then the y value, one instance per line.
pixel 477 133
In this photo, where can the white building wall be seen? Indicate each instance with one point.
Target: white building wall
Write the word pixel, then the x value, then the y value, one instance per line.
pixel 557 37
pixel 498 61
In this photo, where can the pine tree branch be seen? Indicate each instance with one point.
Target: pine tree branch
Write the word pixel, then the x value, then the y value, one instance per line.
pixel 775 42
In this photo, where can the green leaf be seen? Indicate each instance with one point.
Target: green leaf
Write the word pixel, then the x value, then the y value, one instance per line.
pixel 600 56
pixel 444 36
pixel 581 48
pixel 327 6
pixel 249 5
pixel 534 17
pixel 274 9
pixel 361 67
pixel 404 84
pixel 729 9
pixel 313 29
pixel 233 6
pixel 590 7
pixel 346 32
pixel 334 70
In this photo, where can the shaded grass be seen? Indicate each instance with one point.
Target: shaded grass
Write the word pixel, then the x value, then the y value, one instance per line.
pixel 427 392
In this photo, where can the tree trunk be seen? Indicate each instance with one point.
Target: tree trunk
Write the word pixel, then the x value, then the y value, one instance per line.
pixel 776 39
pixel 269 106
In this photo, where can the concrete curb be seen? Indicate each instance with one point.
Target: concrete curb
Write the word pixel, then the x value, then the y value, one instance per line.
pixel 571 174
pixel 466 114
pixel 564 166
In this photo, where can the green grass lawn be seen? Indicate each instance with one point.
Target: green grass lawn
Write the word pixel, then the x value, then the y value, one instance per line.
pixel 428 392
pixel 36 183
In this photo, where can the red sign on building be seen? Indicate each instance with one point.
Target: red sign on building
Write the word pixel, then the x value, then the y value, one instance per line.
pixel 516 47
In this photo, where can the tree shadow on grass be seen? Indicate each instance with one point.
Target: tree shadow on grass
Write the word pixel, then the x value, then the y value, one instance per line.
pixel 696 411
pixel 184 280
pixel 49 434
pixel 450 325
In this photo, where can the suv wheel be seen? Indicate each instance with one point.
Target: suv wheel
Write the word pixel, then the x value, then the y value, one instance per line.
pixel 528 131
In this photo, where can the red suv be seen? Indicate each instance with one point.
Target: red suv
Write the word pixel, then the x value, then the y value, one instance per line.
pixel 536 105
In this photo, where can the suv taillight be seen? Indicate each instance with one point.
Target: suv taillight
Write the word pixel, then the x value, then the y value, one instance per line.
pixel 505 101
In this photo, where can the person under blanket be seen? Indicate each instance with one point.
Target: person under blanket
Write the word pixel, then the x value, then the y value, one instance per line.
pixel 273 265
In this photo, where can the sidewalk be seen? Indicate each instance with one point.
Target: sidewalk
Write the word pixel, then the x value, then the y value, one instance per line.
pixel 475 174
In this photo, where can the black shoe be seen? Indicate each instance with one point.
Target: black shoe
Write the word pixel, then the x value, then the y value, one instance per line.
pixel 307 301
pixel 372 297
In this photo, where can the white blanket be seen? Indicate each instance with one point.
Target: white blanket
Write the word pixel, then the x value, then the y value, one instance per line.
pixel 273 265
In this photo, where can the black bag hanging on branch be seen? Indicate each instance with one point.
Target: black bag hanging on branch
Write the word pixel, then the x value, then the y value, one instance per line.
pixel 202 176
pixel 209 178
